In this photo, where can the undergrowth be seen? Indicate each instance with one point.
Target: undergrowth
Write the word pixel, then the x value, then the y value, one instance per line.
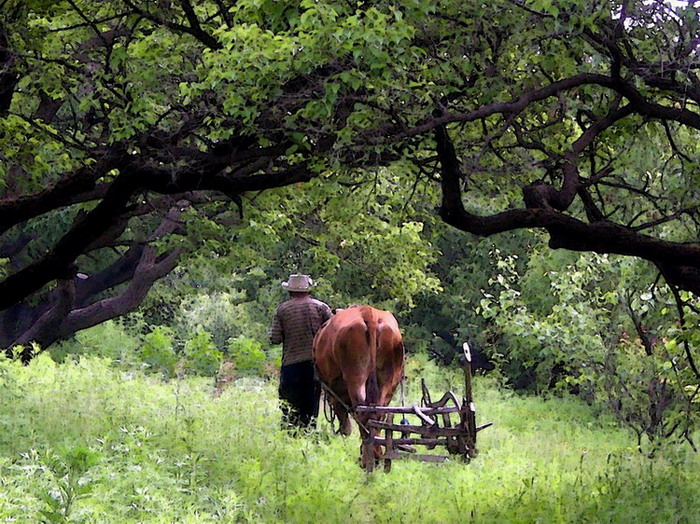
pixel 85 442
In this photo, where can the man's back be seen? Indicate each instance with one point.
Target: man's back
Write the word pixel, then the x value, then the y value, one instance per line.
pixel 296 322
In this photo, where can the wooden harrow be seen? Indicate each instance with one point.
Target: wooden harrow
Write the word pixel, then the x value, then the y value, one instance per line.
pixel 432 427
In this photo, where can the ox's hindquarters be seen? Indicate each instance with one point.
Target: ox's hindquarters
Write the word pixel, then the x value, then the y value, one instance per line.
pixel 359 356
pixel 356 358
pixel 355 382
pixel 329 372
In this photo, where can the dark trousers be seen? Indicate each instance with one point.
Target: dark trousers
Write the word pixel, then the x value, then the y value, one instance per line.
pixel 300 392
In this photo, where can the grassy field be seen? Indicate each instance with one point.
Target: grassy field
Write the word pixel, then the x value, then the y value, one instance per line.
pixel 89 443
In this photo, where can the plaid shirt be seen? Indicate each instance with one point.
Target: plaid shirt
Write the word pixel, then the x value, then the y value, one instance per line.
pixel 295 324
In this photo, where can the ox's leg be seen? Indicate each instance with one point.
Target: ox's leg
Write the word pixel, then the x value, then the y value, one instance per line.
pixel 340 401
pixel 370 453
pixel 356 391
pixel 355 363
pixel 343 418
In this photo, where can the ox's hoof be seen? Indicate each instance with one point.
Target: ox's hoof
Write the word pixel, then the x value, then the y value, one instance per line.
pixel 345 428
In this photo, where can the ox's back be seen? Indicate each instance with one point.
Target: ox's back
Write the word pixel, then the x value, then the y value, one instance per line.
pixel 359 356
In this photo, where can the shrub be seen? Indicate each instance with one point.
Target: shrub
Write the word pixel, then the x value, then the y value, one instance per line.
pixel 108 340
pixel 201 355
pixel 224 315
pixel 70 485
pixel 247 355
pixel 158 351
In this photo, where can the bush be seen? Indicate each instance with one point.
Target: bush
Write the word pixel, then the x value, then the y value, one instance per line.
pixel 223 315
pixel 109 340
pixel 158 351
pixel 201 356
pixel 247 355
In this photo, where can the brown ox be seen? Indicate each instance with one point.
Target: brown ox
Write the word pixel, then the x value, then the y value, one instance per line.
pixel 359 355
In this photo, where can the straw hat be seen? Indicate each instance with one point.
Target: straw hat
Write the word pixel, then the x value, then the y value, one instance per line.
pixel 299 283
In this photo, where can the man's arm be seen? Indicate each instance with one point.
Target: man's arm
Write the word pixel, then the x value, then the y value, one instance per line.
pixel 326 312
pixel 275 332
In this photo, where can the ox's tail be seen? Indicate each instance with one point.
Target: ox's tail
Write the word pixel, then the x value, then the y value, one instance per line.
pixel 369 315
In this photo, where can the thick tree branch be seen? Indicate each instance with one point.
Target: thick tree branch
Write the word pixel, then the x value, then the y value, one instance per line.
pixel 565 231
pixel 19 209
pixel 194 29
pixel 150 268
pixel 57 263
pixel 70 309
pixel 45 326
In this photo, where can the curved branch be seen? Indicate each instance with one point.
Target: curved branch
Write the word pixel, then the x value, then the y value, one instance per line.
pixel 44 328
pixel 63 193
pixel 684 327
pixel 565 231
pixel 140 266
pixel 57 263
pixel 638 104
pixel 147 272
pixel 194 29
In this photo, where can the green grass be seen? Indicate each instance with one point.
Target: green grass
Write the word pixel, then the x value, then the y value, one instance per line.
pixel 129 448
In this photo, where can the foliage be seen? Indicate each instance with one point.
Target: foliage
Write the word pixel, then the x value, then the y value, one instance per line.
pixel 111 340
pixel 247 355
pixel 218 313
pixel 601 330
pixel 336 129
pixel 151 451
pixel 158 351
pixel 200 354
pixel 564 118
pixel 362 240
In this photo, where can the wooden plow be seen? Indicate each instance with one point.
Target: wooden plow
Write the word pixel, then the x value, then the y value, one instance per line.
pixel 430 425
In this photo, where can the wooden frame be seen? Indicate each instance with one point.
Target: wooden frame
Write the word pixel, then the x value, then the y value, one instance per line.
pixel 430 425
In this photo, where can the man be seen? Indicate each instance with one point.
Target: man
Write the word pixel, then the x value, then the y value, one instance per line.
pixel 295 323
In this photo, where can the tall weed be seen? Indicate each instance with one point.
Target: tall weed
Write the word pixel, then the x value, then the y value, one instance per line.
pixel 85 442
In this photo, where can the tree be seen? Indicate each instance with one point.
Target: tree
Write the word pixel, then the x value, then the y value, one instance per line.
pixel 579 118
pixel 622 93
pixel 603 331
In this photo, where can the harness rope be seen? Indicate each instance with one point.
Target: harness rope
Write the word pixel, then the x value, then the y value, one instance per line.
pixel 350 411
pixel 328 410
